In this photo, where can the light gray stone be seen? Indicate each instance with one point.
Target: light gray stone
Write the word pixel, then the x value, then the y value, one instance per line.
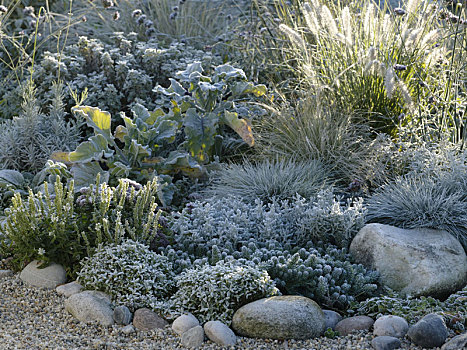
pixel 416 262
pixel 385 342
pixel 128 329
pixel 69 289
pixel 122 315
pixel 147 320
pixel 280 317
pixel 5 273
pixel 429 332
pixel 355 323
pixel 193 338
pixel 48 277
pixel 392 326
pixel 184 323
pixel 331 318
pixel 220 333
pixel 90 306
pixel 456 343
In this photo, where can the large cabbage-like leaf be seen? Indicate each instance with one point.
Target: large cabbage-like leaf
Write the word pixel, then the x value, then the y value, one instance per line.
pixel 94 149
pixel 241 126
pixel 11 177
pixel 95 118
pixel 200 130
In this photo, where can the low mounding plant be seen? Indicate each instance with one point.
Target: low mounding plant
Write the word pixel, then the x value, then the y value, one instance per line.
pixel 64 227
pixel 130 273
pixel 216 292
pixel 453 309
pixel 282 179
pixel 416 201
pixel 27 141
pixel 230 222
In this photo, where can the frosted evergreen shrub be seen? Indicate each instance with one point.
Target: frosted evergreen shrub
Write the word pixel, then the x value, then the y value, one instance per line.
pixel 216 292
pixel 130 273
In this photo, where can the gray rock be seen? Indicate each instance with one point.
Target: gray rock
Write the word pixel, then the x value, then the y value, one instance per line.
pixel 193 338
pixel 122 315
pixel 219 333
pixel 128 329
pixel 355 323
pixel 5 273
pixel 393 326
pixel 69 289
pixel 416 262
pixel 456 343
pixel 429 332
pixel 90 306
pixel 184 323
pixel 331 318
pixel 279 317
pixel 385 342
pixel 147 320
pixel 49 277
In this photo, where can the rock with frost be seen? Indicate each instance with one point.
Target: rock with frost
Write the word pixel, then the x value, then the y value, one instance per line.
pixel 220 333
pixel 456 343
pixel 331 319
pixel 392 326
pixel 355 323
pixel 122 315
pixel 429 332
pixel 385 342
pixel 147 320
pixel 90 306
pixel 416 262
pixel 193 338
pixel 184 323
pixel 69 289
pixel 280 317
pixel 49 277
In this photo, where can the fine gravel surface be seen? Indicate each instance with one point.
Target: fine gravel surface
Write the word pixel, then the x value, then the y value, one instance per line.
pixel 33 318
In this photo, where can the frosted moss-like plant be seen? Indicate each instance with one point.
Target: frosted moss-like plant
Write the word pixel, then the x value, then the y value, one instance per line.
pixel 27 141
pixel 116 75
pixel 130 273
pixel 283 179
pixel 232 222
pixel 453 309
pixel 216 292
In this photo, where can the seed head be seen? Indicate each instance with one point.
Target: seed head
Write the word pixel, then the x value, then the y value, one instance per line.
pixel 3 9
pixel 175 8
pixel 116 16
pixel 107 3
pixel 141 19
pixel 399 11
pixel 84 19
pixel 173 15
pixel 399 67
pixel 136 13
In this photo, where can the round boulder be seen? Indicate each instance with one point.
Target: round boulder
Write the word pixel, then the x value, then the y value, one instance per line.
pixel 417 262
pixel 354 323
pixel 429 332
pixel 392 326
pixel 48 277
pixel 90 306
pixel 280 317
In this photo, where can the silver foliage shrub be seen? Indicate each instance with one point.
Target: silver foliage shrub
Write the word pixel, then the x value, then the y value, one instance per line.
pixel 280 178
pixel 216 292
pixel 230 221
pixel 132 274
pixel 27 141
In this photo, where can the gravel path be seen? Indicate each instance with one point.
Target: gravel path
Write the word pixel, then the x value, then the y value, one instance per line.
pixel 33 318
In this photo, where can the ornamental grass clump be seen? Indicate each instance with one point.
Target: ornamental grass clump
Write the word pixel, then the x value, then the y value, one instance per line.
pixel 130 273
pixel 386 67
pixel 282 179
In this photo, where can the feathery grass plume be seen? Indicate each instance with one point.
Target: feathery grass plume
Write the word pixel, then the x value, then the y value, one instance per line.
pixel 368 24
pixel 346 25
pixel 412 6
pixel 328 21
pixel 390 82
pixel 387 27
pixel 282 179
pixel 413 38
pixel 428 39
pixel 311 19
pixel 405 95
pixel 293 36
